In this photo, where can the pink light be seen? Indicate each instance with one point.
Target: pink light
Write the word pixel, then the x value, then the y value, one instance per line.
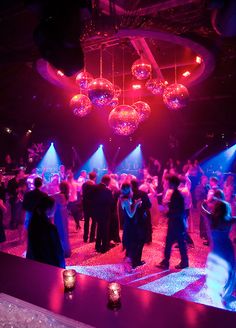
pixel 60 73
pixel 136 86
pixel 186 74
pixel 198 59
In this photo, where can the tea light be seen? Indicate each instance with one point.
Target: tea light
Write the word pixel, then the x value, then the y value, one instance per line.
pixel 114 295
pixel 69 278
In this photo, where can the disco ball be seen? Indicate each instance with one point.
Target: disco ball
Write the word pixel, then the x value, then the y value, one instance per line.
pixel 156 86
pixel 117 91
pixel 143 110
pixel 83 80
pixel 124 120
pixel 114 102
pixel 176 96
pixel 80 105
pixel 141 69
pixel 100 92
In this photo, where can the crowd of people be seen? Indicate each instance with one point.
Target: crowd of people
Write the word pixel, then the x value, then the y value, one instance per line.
pixel 121 209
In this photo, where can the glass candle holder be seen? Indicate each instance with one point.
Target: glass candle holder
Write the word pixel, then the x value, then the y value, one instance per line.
pixel 69 279
pixel 114 295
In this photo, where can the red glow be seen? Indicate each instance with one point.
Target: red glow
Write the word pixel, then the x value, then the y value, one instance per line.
pixel 186 74
pixel 60 73
pixel 198 59
pixel 136 86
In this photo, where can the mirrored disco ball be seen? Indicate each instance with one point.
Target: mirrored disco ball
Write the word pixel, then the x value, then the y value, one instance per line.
pixel 141 69
pixel 100 92
pixel 143 110
pixel 117 91
pixel 124 120
pixel 114 102
pixel 83 79
pixel 80 105
pixel 175 96
pixel 156 86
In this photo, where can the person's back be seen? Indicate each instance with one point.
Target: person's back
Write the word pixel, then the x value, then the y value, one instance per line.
pixel 43 240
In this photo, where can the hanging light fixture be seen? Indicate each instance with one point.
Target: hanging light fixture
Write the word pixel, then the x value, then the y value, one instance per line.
pixel 141 69
pixel 124 120
pixel 156 86
pixel 175 96
pixel 143 110
pixel 100 90
pixel 80 105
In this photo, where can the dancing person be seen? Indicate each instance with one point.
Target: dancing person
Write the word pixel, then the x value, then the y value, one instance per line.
pixel 88 192
pixel 44 243
pixel 12 194
pixel 61 217
pixel 20 211
pixel 3 210
pixel 114 230
pixel 32 199
pixel 73 205
pixel 176 230
pixel 185 192
pixel 132 243
pixel 143 218
pixel 103 204
pixel 221 259
pixel 201 192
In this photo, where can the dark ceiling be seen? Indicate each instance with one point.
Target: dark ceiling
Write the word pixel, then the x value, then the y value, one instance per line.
pixel 27 101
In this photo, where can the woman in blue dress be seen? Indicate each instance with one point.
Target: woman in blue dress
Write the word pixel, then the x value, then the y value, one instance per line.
pixel 221 259
pixel 130 238
pixel 61 216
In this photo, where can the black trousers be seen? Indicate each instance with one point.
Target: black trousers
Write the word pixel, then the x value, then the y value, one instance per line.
pixel 87 216
pixel 172 237
pixel 102 237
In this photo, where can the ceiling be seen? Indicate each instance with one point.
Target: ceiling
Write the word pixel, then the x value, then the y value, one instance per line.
pixel 29 101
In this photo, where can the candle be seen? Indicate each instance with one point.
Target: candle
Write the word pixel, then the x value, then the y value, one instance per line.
pixel 114 295
pixel 69 278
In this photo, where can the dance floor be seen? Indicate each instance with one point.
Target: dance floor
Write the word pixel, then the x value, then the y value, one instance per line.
pixel 188 284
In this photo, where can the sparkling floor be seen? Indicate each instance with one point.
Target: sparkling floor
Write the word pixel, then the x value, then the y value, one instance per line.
pixel 188 284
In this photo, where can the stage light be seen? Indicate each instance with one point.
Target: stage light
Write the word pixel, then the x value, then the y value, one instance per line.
pixel 198 60
pixel 136 86
pixel 224 159
pixel 96 160
pixel 50 160
pixel 60 73
pixel 186 74
pixel 132 163
pixel 8 130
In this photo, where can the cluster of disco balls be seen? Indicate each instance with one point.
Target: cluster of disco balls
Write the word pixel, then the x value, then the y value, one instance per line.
pixel 124 119
pixel 175 96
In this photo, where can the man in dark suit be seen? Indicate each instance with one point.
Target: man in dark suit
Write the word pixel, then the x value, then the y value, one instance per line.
pixel 32 199
pixel 88 191
pixel 176 230
pixel 143 224
pixel 103 209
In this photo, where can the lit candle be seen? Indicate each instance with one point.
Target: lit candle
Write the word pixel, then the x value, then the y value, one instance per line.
pixel 114 295
pixel 69 278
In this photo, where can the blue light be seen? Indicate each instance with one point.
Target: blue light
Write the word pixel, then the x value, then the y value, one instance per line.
pixel 50 161
pixel 222 161
pixel 100 146
pixel 96 161
pixel 132 163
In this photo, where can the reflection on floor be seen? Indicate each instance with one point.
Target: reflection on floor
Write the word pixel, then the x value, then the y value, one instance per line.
pixel 188 284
